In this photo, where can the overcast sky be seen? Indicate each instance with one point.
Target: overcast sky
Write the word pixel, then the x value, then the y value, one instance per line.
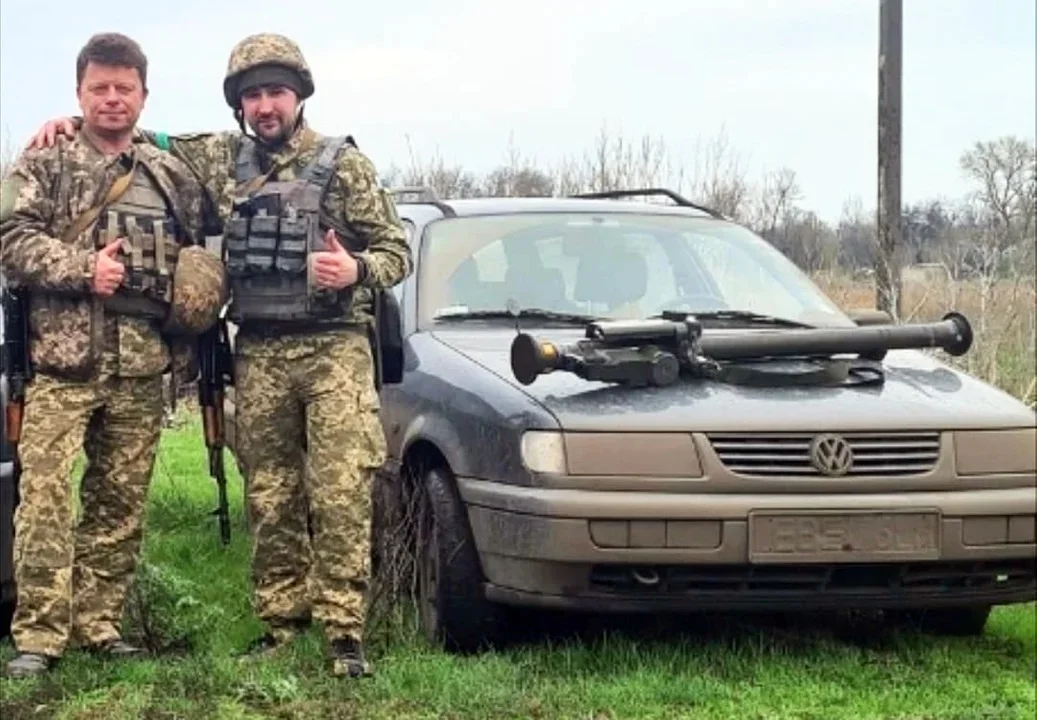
pixel 790 82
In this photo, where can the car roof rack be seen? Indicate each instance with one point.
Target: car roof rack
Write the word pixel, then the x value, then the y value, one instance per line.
pixel 425 195
pixel 644 192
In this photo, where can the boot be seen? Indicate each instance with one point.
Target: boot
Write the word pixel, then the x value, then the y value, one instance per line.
pixel 28 665
pixel 263 646
pixel 118 648
pixel 275 638
pixel 347 657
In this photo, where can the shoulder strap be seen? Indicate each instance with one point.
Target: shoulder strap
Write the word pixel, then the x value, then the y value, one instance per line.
pixel 246 168
pixel 822 373
pixel 320 170
pixel 114 193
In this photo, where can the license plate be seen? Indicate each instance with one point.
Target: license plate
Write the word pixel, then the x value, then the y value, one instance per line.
pixel 782 537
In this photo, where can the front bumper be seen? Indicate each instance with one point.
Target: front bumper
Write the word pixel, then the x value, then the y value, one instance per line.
pixel 630 551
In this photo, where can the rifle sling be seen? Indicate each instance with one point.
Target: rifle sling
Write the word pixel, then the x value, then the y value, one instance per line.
pixel 118 187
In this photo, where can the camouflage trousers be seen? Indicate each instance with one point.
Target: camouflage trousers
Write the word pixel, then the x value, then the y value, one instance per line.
pixel 72 579
pixel 310 442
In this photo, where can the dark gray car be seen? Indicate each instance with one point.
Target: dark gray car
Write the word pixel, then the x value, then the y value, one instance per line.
pixel 908 486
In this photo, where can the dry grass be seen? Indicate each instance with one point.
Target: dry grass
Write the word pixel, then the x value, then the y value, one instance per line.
pixel 1002 314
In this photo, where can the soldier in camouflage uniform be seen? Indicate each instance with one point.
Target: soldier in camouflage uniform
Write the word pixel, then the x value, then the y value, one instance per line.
pixel 99 285
pixel 304 372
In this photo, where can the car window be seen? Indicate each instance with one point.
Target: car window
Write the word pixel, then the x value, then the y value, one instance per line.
pixel 559 273
pixel 491 264
pixel 614 265
pixel 743 281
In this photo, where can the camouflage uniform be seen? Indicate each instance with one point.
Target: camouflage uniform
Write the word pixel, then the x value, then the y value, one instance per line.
pixel 308 389
pixel 98 385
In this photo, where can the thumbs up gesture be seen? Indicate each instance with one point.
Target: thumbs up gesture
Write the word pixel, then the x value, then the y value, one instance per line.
pixel 334 267
pixel 108 272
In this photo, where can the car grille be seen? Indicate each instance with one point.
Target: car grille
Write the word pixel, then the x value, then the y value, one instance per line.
pixel 786 454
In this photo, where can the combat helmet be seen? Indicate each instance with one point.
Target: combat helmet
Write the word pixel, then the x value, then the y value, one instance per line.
pixel 199 292
pixel 266 58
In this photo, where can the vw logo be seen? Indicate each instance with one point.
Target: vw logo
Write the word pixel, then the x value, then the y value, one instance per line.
pixel 831 455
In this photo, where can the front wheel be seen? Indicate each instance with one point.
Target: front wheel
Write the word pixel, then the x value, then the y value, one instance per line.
pixel 454 611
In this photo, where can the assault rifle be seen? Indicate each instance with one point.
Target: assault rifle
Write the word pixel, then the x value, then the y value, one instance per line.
pixel 216 372
pixel 17 363
pixel 655 351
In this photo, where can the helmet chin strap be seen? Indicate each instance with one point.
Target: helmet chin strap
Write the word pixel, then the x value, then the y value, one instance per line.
pixel 239 115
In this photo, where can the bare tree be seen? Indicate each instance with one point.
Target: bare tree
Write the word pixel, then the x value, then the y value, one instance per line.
pixel 447 181
pixel 777 197
pixel 518 177
pixel 615 163
pixel 1006 171
pixel 719 178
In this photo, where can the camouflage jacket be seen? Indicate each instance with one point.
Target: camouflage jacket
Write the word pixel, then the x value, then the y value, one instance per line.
pixel 43 194
pixel 354 198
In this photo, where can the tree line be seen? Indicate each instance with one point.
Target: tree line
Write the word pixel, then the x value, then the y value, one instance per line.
pixel 986 234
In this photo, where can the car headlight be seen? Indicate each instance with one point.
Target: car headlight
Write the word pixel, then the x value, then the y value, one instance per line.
pixel 650 454
pixel 996 452
pixel 544 452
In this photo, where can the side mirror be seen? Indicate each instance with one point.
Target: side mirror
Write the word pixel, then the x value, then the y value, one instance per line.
pixel 388 339
pixel 867 317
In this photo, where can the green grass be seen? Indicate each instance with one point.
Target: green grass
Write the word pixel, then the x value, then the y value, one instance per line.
pixel 194 596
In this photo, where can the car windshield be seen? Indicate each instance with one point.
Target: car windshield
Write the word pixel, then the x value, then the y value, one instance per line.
pixel 618 265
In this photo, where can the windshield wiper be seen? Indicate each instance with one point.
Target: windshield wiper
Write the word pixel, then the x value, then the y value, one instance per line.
pixel 740 315
pixel 525 313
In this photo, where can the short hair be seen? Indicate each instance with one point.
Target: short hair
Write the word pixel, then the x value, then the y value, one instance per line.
pixel 112 49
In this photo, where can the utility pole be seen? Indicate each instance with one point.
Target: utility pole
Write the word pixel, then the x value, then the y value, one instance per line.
pixel 888 225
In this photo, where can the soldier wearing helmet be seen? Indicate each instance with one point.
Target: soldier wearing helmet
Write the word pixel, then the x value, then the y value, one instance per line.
pixel 272 64
pixel 309 239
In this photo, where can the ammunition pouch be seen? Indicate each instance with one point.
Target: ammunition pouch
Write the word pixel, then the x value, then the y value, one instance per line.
pixel 149 253
pixel 268 241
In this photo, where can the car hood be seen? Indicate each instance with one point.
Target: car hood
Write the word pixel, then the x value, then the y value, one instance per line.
pixel 919 393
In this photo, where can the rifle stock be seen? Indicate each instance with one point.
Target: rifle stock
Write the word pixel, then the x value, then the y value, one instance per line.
pixel 215 374
pixel 17 361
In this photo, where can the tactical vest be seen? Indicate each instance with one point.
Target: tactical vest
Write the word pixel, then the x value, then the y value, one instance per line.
pixel 149 249
pixel 268 239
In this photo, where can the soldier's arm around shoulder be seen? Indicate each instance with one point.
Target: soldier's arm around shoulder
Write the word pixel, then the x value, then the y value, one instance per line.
pixel 208 155
pixel 30 252
pixel 370 210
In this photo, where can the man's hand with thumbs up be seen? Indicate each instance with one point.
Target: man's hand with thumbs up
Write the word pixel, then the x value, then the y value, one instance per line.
pixel 334 268
pixel 108 272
